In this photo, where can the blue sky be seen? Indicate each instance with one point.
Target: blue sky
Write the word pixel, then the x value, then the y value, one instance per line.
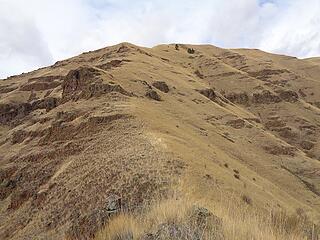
pixel 37 33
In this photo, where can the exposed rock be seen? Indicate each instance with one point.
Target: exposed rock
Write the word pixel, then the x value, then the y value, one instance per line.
pixel 172 231
pixel 280 150
pixel 84 82
pixel 307 145
pixel 302 94
pixel 112 64
pixel 238 98
pixel 113 204
pixel 288 95
pixel 9 112
pixel 200 225
pixel 162 86
pixel 77 80
pixel 123 49
pixel 209 93
pixel 41 83
pixel 7 89
pixel 237 123
pixel 46 103
pixel 265 97
pixel 275 123
pixel 66 116
pixel 267 73
pixel 206 221
pixel 153 95
pixel 287 133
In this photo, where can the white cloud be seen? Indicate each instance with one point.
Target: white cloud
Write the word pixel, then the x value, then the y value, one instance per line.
pixel 35 33
pixel 295 30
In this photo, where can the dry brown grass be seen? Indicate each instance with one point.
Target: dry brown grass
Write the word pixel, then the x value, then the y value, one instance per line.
pixel 240 221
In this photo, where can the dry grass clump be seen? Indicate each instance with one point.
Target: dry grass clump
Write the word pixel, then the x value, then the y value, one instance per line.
pixel 239 220
pixel 134 225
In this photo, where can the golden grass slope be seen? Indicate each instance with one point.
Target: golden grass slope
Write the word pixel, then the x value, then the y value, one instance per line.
pixel 217 124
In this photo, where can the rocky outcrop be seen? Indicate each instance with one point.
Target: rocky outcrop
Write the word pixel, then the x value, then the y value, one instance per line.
pixel 153 95
pixel 10 112
pixel 112 64
pixel 236 123
pixel 208 93
pixel 85 83
pixel 46 103
pixel 267 73
pixel 162 86
pixel 307 145
pixel 41 83
pixel 265 97
pixel 7 89
pixel 213 96
pixel 238 98
pixel 288 95
pixel 280 150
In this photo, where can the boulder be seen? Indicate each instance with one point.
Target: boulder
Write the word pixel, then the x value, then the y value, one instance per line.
pixel 153 95
pixel 162 86
pixel 113 204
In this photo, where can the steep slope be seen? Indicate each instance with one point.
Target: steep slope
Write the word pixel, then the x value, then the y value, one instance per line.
pixel 138 122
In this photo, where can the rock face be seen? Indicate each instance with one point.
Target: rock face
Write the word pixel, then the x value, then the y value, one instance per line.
pixel 84 82
pixel 10 112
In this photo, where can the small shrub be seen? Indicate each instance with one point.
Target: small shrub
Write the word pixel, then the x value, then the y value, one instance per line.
pixel 237 176
pixel 190 50
pixel 226 165
pixel 246 199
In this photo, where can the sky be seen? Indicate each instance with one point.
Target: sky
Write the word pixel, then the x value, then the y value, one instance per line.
pixel 37 33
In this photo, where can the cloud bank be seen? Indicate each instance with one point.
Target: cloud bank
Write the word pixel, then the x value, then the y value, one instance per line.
pixel 37 33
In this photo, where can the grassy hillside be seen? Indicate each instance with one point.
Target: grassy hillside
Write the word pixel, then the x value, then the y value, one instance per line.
pixel 233 131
